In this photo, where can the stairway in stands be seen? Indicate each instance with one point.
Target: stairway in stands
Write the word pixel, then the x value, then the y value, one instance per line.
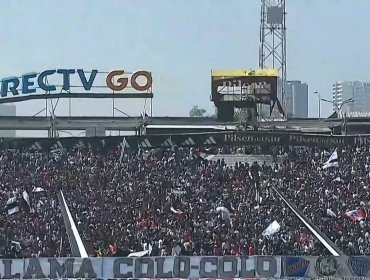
pixel 230 160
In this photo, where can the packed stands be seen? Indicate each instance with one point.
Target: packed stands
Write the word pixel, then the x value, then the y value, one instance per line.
pixel 173 202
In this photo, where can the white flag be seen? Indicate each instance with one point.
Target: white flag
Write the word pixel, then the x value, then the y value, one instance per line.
pixel 123 145
pixel 332 161
pixel 139 254
pixel 173 210
pixel 139 149
pixel 258 198
pixel 225 213
pixel 273 228
pixel 26 198
pixel 330 213
pixel 338 179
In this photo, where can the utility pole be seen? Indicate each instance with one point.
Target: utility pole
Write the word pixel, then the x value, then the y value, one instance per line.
pixel 319 96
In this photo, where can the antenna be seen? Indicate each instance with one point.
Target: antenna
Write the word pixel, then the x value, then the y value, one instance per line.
pixel 273 45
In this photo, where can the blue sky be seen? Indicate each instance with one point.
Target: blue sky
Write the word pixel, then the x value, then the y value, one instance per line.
pixel 180 42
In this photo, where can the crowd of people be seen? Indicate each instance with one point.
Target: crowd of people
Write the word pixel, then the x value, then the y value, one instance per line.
pixel 173 202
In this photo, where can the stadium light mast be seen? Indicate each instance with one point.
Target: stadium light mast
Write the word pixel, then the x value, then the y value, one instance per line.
pixel 273 44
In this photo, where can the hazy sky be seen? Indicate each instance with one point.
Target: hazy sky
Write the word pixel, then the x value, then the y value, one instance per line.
pixel 180 42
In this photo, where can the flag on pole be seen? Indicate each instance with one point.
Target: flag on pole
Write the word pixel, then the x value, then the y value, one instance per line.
pixel 332 161
pixel 123 145
pixel 355 215
pixel 258 197
pixel 26 198
pixel 330 213
pixel 273 228
pixel 12 206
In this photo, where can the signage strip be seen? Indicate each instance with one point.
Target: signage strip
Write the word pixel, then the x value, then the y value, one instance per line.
pixel 188 267
pixel 181 140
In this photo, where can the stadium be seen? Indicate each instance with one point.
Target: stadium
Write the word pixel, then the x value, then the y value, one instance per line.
pixel 243 194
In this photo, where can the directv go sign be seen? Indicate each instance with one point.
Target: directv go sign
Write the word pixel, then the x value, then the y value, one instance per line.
pixel 18 89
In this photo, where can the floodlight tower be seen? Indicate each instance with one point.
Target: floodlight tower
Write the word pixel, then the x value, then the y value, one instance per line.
pixel 273 43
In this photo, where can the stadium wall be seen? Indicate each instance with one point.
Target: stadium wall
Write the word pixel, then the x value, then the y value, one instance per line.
pixel 185 267
pixel 188 140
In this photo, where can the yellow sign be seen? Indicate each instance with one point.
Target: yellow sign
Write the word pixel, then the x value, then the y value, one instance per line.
pixel 244 73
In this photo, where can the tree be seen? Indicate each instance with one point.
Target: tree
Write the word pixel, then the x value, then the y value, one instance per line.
pixel 197 112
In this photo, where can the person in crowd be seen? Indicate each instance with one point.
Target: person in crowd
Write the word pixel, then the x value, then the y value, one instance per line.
pixel 168 202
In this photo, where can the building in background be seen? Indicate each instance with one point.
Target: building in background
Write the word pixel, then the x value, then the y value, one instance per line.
pixel 8 111
pixel 359 91
pixel 295 103
pixel 296 99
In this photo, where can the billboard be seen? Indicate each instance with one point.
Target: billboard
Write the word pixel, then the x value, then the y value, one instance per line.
pixel 254 86
pixel 189 267
pixel 69 83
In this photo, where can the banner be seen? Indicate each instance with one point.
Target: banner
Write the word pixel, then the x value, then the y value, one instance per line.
pixel 185 267
pixel 154 267
pixel 210 139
